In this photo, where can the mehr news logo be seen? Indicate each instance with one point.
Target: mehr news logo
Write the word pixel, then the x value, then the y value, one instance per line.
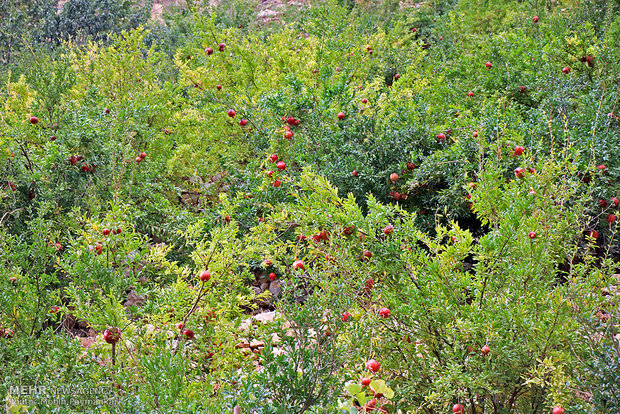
pixel 22 396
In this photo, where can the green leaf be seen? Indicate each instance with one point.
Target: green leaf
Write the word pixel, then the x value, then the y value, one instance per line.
pixel 378 386
pixel 353 388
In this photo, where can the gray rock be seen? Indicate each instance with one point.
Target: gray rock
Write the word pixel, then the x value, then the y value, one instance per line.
pixel 267 13
pixel 276 288
pixel 133 300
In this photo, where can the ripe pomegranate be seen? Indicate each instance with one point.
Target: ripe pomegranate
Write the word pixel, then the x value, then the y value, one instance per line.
pixel 111 335
pixel 519 172
pixel 373 365
pixel 205 275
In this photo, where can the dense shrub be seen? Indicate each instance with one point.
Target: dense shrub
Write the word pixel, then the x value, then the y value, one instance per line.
pixel 26 24
pixel 359 171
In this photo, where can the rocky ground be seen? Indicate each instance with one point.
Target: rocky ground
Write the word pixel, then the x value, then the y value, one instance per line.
pixel 268 10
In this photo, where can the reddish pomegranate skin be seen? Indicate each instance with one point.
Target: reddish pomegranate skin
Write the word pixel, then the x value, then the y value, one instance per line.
pixel 373 365
pixel 111 335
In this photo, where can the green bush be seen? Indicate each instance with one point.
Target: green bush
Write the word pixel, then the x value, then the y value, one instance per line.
pixel 437 205
pixel 39 25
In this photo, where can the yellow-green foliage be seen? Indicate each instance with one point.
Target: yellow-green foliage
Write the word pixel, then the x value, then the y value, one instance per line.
pixel 445 246
pixel 123 73
pixel 17 105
